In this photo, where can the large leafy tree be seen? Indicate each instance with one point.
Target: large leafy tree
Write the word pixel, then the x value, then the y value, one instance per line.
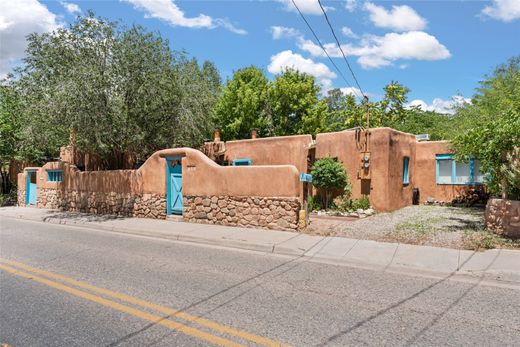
pixel 244 104
pixel 122 90
pixel 293 97
pixel 494 134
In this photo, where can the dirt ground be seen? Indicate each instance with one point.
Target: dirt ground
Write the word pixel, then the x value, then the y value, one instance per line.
pixel 442 226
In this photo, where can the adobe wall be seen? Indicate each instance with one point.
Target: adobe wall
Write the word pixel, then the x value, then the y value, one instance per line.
pixel 282 150
pixel 401 145
pixel 142 192
pixel 425 173
pixel 347 147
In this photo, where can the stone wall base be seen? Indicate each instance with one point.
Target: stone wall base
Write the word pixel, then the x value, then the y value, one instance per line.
pixel 503 217
pixel 21 197
pixel 253 212
pixel 121 204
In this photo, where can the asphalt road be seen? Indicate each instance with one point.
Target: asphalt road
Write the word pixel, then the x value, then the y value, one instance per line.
pixel 68 286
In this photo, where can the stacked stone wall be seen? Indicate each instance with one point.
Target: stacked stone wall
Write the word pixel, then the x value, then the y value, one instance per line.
pixel 254 212
pixel 21 197
pixel 122 204
pixel 503 217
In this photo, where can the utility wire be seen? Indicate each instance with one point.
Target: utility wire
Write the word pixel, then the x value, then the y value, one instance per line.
pixel 321 45
pixel 341 49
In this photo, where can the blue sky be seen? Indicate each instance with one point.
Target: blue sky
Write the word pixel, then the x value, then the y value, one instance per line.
pixel 438 49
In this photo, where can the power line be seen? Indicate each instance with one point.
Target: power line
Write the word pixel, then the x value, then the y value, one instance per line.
pixel 322 47
pixel 341 49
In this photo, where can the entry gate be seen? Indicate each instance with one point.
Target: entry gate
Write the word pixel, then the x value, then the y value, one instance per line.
pixel 174 199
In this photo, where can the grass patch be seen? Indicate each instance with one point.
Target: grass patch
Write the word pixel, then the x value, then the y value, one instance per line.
pixel 417 232
pixel 483 239
pixel 421 227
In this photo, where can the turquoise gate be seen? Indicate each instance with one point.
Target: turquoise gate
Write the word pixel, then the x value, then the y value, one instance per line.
pixel 174 201
pixel 30 188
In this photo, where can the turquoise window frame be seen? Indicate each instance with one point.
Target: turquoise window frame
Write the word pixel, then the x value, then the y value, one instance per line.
pixel 406 170
pixel 242 162
pixel 54 175
pixel 440 157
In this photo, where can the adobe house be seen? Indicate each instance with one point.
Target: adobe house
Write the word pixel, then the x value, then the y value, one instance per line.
pixel 397 163
pixel 255 182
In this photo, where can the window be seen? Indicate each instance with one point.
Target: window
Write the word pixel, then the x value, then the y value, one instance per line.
pixel 242 162
pixel 54 175
pixel 406 173
pixel 451 172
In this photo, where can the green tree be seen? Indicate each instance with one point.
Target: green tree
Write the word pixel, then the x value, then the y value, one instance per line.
pixel 243 104
pixel 293 97
pixel 328 175
pixel 121 89
pixel 343 111
pixel 9 124
pixel 494 136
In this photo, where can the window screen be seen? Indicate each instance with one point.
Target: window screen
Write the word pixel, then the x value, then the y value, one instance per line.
pixel 462 173
pixel 445 168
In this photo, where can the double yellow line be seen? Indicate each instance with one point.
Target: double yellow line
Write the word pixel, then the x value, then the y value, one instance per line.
pixel 19 269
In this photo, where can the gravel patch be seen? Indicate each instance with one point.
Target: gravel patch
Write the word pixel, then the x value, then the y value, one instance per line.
pixel 441 226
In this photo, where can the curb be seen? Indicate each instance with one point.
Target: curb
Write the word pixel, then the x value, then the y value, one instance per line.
pixel 509 279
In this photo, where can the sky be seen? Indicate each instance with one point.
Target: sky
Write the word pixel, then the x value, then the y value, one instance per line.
pixel 439 49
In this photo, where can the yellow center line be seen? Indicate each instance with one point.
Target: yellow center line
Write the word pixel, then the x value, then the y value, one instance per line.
pixel 136 301
pixel 123 308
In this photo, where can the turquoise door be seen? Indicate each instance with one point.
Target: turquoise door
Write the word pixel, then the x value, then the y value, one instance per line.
pixel 30 188
pixel 174 186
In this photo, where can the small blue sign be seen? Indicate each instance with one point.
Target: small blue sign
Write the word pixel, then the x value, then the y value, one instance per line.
pixel 305 177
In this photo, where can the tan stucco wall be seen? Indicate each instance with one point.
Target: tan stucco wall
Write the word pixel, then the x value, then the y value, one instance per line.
pixel 345 146
pixel 283 150
pixel 425 171
pixel 201 176
pixel 401 145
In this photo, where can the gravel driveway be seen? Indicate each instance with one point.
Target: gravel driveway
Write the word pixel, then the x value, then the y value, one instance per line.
pixel 442 226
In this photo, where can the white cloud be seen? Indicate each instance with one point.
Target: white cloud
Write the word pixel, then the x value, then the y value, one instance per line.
pixel 504 10
pixel 17 20
pixel 70 7
pixel 288 59
pixel 440 105
pixel 351 91
pixel 350 5
pixel 169 12
pixel 348 32
pixel 378 51
pixel 400 18
pixel 279 32
pixel 305 6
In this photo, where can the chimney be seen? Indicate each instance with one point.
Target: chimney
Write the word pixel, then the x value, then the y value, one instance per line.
pixel 216 135
pixel 253 134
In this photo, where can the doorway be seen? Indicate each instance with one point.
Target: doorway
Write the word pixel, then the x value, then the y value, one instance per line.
pixel 174 200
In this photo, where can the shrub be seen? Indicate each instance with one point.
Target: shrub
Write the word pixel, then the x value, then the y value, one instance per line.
pixel 313 203
pixel 328 174
pixel 349 205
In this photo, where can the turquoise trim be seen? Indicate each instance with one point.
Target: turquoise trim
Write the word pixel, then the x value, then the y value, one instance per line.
pixel 31 189
pixel 471 181
pixel 242 162
pixel 453 171
pixel 406 173
pixel 54 175
pixel 27 186
pixel 174 198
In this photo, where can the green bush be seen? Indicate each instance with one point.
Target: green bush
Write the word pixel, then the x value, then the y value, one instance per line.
pixel 8 199
pixel 328 174
pixel 361 203
pixel 314 203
